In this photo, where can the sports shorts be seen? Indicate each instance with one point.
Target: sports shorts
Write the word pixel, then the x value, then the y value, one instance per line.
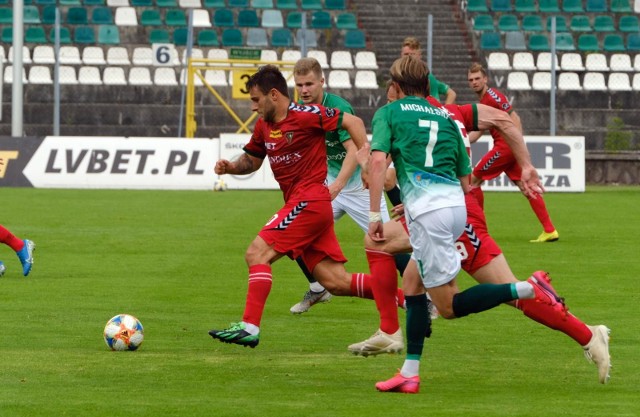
pixel 499 159
pixel 476 247
pixel 356 205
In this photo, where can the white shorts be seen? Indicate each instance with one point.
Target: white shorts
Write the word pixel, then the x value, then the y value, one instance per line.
pixel 356 205
pixel 433 236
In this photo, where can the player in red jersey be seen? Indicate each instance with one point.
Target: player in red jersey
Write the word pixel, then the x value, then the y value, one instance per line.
pixel 500 158
pixel 292 137
pixel 23 248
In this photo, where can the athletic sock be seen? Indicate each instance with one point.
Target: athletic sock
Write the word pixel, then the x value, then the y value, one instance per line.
pixel 481 297
pixel 555 319
pixel 384 285
pixel 402 260
pixel 260 281
pixel 394 195
pixel 540 209
pixel 10 240
pixel 417 324
pixel 361 286
pixel 305 271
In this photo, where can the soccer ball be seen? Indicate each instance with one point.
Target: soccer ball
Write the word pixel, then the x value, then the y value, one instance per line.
pixel 219 185
pixel 123 332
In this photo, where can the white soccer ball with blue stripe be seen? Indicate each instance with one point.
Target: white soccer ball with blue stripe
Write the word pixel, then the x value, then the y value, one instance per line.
pixel 123 332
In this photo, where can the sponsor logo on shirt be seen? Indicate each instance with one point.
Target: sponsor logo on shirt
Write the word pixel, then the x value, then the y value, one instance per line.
pixel 330 112
pixel 275 134
pixel 289 137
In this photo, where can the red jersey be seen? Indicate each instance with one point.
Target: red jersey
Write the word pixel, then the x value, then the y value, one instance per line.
pixel 296 150
pixel 495 98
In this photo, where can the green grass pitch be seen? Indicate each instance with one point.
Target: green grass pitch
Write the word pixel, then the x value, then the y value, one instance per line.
pixel 176 261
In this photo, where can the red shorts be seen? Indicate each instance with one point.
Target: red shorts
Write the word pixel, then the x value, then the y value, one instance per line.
pixel 499 159
pixel 304 229
pixel 475 245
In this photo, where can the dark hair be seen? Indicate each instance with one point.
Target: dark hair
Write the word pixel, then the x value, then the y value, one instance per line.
pixel 412 76
pixel 268 77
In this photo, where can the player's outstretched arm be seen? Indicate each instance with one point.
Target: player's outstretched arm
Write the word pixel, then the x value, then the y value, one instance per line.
pixel 245 164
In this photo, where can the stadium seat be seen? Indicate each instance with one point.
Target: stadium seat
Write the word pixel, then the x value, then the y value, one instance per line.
pixel 196 53
pixel 110 3
pixel 31 15
pixel 182 78
pixel 541 81
pixel 339 79
pixel 311 4
pixel 108 35
pixel 218 54
pixel 335 4
pixel 291 55
pixel 508 23
pixel 166 3
pixel 571 61
pixel 257 37
pixel 594 81
pixel 320 56
pixel 514 41
pixel 189 4
pixel 262 4
pixel 597 6
pixel 248 19
pixel 239 4
pixel 281 38
pixel 346 21
pixel 223 18
pixel 39 2
pixel 321 20
pixel 8 75
pixel 232 37
pixel 538 42
pixel 572 6
pixel 7 35
pixel 118 55
pixel 216 78
pixel 35 34
pixel 93 55
pixel 294 20
pixel 629 23
pixel 69 55
pixel 483 22
pixel 139 3
pixel 549 6
pixel 619 81
pixel 159 36
pixel 633 42
pixel 309 36
pixel 569 81
pixel 101 16
pixel 272 19
pixel 477 6
pixel 67 75
pixel 532 23
pixel 366 79
pixel 580 23
pixel 208 38
pixel 364 60
pixel 603 23
pixel 620 63
pixel 89 76
pixel 114 76
pixel 6 16
pixel 165 76
pixel 596 63
pixel 523 61
pixel 636 63
pixel 77 16
pixel 490 41
pixel 268 55
pixel 564 42
pixel 620 6
pixel 140 76
pixel 49 15
pixel 518 81
pixel 286 4
pixel 498 61
pixel 180 36
pixel 501 6
pixel 201 18
pixel 588 42
pixel 561 24
pixel 151 17
pixel 341 59
pixel 40 74
pixel 613 42
pixel 543 62
pixel 355 39
pixel 42 55
pixel 84 35
pixel 126 16
pixel 214 4
pixel 65 35
pixel 26 55
pixel 526 6
pixel 175 17
pixel 142 56
pixel 635 84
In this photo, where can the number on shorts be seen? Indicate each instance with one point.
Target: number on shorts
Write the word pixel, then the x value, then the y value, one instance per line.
pixel 462 250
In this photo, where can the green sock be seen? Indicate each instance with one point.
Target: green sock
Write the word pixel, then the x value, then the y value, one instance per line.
pixel 481 297
pixel 417 323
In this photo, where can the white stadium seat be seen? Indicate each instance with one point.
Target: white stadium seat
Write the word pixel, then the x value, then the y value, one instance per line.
pixel 164 76
pixel 594 81
pixel 89 76
pixel 114 76
pixel 26 55
pixel 619 81
pixel 8 75
pixel 140 76
pixel 118 55
pixel 498 61
pixel 341 60
pixel 366 79
pixel 596 62
pixel 518 80
pixel 40 74
pixel 68 75
pixel 320 56
pixel 93 55
pixel 339 79
pixel 569 81
pixel 571 61
pixel 541 81
pixel 543 62
pixel 523 61
pixel 142 55
pixel 620 62
pixel 366 60
pixel 126 16
pixel 70 55
pixel 44 54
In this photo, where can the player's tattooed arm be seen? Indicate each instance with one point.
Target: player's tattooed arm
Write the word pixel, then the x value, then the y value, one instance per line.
pixel 244 164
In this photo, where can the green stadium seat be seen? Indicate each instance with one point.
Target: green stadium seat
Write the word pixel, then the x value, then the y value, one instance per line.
pixel 84 34
pixel 483 22
pixel 45 2
pixel 321 20
pixel 564 42
pixel 335 5
pixel 633 42
pixel 597 6
pixel 621 6
pixel 49 15
pixel 532 23
pixel 31 14
pixel 166 3
pixel 257 37
pixel 294 20
pixel 65 35
pixel 490 41
pixel 150 17
pixel 262 4
pixel 159 36
pixel 232 37
pixel 588 42
pixel 141 3
pixel 572 6
pixel 549 6
pixel 69 2
pixel 526 6
pixel 508 23
pixel 613 42
pixel 240 4
pixel 6 16
pixel 561 24
pixel 35 34
pixel 93 2
pixel 580 23
pixel 477 6
pixel 629 23
pixel 539 42
pixel 501 6
pixel 604 23
pixel 180 36
pixel 208 37
pixel 175 17
pixel 223 18
pixel 77 16
pixel 214 4
pixel 311 4
pixel 355 39
pixel 281 38
pixel 101 16
pixel 286 4
pixel 346 21
pixel 248 18
pixel 7 34
pixel 108 35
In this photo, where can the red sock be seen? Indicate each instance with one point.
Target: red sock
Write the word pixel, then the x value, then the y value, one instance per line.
pixel 10 240
pixel 540 209
pixel 384 284
pixel 555 319
pixel 260 281
pixel 477 192
pixel 361 288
